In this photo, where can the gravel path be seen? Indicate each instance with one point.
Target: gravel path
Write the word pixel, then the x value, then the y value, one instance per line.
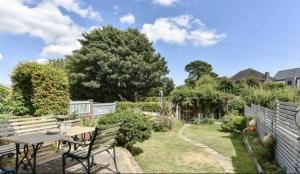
pixel 224 161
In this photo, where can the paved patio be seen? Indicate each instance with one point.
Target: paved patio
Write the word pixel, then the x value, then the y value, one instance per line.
pixel 126 164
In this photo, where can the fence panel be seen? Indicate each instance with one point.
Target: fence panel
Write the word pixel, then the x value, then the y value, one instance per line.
pixel 281 123
pixel 103 108
pixel 80 107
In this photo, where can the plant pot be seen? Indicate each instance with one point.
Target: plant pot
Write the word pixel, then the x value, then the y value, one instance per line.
pixel 268 140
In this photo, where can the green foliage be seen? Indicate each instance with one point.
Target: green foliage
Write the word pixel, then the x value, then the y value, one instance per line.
pixel 166 85
pixel 143 106
pixel 265 156
pixel 234 123
pixel 197 69
pixel 135 127
pixel 162 124
pixel 5 93
pixel 266 98
pixel 274 86
pixel 114 65
pixel 236 105
pixel 227 85
pixel 59 63
pixel 40 90
pixel 204 92
pixel 252 81
pixel 203 121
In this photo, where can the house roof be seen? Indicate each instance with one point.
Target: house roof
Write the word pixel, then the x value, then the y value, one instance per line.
pixel 284 74
pixel 248 73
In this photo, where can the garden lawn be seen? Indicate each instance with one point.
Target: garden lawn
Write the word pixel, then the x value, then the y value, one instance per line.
pixel 225 143
pixel 165 152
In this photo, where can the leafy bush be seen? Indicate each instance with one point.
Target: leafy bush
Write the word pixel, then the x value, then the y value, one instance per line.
pixel 135 127
pixel 203 121
pixel 234 123
pixel 143 106
pixel 162 124
pixel 5 94
pixel 40 89
pixel 265 156
pixel 267 98
pixel 236 105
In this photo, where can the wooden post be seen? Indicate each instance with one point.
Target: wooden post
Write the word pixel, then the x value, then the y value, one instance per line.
pixel 91 109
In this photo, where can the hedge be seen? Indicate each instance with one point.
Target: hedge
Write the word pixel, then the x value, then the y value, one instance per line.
pixel 40 89
pixel 144 106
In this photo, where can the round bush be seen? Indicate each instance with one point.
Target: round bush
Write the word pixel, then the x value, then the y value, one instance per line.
pixel 135 127
pixel 234 123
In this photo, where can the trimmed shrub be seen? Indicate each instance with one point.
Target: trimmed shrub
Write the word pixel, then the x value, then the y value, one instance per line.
pixel 143 106
pixel 234 123
pixel 135 127
pixel 40 89
pixel 162 124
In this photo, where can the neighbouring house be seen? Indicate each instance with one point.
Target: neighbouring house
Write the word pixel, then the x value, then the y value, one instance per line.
pixel 244 74
pixel 290 77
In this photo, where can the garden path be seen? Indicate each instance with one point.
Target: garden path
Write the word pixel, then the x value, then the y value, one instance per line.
pixel 224 161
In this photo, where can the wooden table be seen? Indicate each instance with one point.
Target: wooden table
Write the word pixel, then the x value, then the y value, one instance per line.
pixel 36 141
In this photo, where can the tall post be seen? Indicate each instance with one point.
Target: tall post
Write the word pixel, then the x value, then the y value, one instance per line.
pixel 91 109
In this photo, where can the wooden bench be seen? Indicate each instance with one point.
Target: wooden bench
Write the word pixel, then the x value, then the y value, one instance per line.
pixel 103 140
pixel 24 126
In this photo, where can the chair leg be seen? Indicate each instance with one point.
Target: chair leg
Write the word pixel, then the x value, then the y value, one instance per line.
pixel 64 164
pixel 115 159
pixel 88 166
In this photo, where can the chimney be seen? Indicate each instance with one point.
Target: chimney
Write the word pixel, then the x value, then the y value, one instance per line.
pixel 267 77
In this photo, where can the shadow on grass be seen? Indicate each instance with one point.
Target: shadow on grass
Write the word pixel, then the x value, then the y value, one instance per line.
pixel 136 151
pixel 242 162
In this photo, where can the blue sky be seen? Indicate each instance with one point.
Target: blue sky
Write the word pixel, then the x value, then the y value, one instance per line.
pixel 229 34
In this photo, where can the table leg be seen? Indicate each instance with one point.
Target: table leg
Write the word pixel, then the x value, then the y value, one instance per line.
pixel 17 157
pixel 26 160
pixel 35 150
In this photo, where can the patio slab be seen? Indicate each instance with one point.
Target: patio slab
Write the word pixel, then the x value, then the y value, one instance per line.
pixel 104 164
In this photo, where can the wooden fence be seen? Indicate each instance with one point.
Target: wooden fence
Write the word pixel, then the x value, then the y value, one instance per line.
pixel 282 124
pixel 91 108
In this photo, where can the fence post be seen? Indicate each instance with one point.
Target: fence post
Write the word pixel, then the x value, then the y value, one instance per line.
pixel 91 109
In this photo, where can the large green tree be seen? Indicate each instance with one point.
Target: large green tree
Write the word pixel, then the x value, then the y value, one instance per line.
pixel 197 69
pixel 166 85
pixel 113 64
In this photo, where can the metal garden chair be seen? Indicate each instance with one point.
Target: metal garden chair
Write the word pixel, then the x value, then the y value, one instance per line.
pixel 103 139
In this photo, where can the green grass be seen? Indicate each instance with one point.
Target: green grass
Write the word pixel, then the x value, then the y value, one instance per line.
pixel 225 143
pixel 165 152
pixel 264 156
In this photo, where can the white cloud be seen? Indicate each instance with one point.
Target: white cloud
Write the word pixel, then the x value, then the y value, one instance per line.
pixel 127 19
pixel 1 57
pixel 46 21
pixel 74 6
pixel 164 2
pixel 181 30
pixel 41 61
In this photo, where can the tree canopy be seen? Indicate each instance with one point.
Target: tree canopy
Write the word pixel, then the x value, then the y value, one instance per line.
pixel 197 69
pixel 113 64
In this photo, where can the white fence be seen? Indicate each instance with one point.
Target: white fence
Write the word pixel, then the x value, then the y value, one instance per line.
pixel 282 124
pixel 89 107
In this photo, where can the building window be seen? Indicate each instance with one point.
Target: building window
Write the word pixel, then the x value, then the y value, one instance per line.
pixel 289 82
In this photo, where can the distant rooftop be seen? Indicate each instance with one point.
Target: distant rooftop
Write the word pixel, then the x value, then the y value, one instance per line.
pixel 284 74
pixel 249 73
